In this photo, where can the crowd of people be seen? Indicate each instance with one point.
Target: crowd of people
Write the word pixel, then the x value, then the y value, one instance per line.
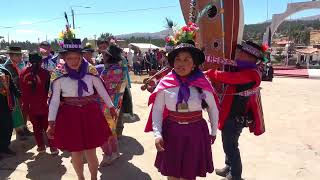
pixel 92 95
pixel 151 60
pixel 55 92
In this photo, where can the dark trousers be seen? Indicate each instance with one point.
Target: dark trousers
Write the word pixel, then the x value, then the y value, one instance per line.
pixel 6 127
pixel 126 108
pixel 230 137
pixel 40 125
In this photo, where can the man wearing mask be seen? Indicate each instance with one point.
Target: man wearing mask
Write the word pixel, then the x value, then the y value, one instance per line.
pixel 103 44
pixel 240 105
pixel 14 65
pixel 87 53
pixel 48 61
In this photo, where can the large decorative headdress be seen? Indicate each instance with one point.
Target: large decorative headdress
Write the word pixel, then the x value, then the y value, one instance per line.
pixel 184 40
pixel 67 39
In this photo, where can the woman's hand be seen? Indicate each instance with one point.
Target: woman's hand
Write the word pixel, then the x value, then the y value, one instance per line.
pixel 51 130
pixel 212 139
pixel 159 144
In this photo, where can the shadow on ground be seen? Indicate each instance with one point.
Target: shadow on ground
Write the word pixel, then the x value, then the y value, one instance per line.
pixel 9 164
pixel 45 166
pixel 122 169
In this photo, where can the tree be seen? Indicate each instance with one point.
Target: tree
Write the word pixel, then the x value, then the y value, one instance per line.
pixel 105 35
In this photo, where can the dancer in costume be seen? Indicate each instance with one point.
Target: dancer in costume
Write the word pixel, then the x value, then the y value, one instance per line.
pixel 241 106
pixel 76 121
pixel 87 53
pixel 103 45
pixel 182 136
pixel 14 65
pixel 8 92
pixel 34 82
pixel 115 80
pixel 49 62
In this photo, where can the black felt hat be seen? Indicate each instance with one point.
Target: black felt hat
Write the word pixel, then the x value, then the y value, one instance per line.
pixel 115 52
pixel 197 54
pixel 71 45
pixel 14 50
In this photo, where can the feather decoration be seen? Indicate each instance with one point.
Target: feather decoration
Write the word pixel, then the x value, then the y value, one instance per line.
pixel 170 23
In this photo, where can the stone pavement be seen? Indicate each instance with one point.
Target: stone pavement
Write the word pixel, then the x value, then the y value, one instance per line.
pixel 289 149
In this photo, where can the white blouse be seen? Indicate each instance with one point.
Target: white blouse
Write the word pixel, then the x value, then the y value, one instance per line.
pixel 68 87
pixel 168 98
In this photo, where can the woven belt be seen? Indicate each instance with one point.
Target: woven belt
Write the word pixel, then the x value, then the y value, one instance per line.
pixel 185 117
pixel 79 101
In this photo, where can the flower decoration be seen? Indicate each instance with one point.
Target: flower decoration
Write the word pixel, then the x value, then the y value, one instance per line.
pixel 265 53
pixel 69 33
pixel 170 41
pixel 187 33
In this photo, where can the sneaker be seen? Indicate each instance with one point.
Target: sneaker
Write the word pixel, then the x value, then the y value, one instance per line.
pixel 54 151
pixel 41 149
pixel 223 172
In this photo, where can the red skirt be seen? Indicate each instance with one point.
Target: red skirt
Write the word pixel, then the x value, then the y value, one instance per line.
pixel 80 128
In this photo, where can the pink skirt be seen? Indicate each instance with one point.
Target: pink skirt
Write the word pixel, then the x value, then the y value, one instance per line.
pixel 80 128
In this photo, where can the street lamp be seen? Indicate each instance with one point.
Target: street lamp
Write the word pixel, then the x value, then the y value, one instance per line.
pixel 72 13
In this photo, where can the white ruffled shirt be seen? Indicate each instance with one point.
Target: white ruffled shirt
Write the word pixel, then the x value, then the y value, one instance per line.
pixel 168 98
pixel 68 87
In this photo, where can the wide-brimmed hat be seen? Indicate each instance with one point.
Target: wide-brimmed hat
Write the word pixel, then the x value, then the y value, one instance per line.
pixel 87 48
pixel 14 50
pixel 71 45
pixel 189 46
pixel 35 57
pixel 251 48
pixel 114 51
pixel 45 43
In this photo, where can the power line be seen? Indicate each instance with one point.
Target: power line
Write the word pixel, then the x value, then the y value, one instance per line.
pixel 124 11
pixel 84 14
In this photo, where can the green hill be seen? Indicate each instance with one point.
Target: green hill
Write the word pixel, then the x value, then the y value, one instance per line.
pixel 298 30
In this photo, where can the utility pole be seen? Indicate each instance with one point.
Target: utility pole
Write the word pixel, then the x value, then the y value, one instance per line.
pixel 72 12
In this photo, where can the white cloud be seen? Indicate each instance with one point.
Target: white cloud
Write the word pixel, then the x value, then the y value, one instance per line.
pixel 25 22
pixel 28 31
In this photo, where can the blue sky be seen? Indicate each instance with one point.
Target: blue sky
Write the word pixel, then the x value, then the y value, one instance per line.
pixel 33 19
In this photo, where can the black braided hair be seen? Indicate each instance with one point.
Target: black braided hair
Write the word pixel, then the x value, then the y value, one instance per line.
pixel 204 104
pixel 35 67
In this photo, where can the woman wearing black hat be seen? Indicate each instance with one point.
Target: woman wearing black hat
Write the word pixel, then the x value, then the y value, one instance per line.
pixel 76 121
pixel 115 80
pixel 34 82
pixel 182 136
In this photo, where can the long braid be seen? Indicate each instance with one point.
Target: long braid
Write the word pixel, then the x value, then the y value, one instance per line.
pixel 34 71
pixel 204 104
